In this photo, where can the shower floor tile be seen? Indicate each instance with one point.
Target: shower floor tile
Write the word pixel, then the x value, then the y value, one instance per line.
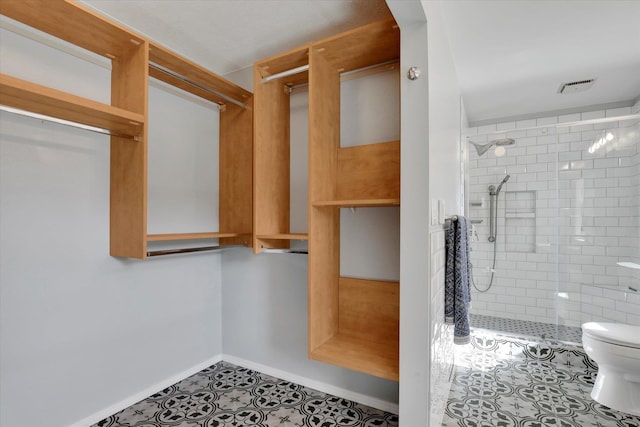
pixel 523 388
pixel 525 328
pixel 225 395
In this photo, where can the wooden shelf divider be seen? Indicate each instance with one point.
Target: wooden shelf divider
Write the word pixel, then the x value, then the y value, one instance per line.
pixel 50 102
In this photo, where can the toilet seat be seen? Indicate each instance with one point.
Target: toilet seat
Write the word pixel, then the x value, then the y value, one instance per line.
pixel 613 333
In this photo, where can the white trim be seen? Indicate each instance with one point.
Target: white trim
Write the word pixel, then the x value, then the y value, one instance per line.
pixel 314 384
pixel 143 394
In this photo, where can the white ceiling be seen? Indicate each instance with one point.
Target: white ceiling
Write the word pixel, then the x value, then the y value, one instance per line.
pixel 510 56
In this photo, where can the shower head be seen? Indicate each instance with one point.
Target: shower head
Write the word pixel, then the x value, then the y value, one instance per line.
pixel 506 178
pixel 493 191
pixel 483 148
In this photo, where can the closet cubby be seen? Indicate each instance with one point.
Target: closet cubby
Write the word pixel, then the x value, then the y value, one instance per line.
pixel 272 148
pixel 134 60
pixel 353 322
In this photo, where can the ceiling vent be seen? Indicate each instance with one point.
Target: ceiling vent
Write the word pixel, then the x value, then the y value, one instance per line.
pixel 577 86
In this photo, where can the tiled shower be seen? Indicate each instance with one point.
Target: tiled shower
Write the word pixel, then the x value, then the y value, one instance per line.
pixel 569 213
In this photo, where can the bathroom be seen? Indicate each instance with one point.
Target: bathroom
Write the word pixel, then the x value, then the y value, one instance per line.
pixel 554 213
pixel 552 198
pixel 553 205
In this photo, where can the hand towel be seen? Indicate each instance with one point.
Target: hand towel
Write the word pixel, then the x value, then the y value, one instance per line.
pixel 457 295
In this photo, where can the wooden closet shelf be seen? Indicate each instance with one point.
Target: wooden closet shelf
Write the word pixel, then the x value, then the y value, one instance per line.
pixel 169 60
pixel 286 61
pixel 359 203
pixel 32 97
pixel 371 44
pixel 190 236
pixel 375 358
pixel 284 236
pixel 73 23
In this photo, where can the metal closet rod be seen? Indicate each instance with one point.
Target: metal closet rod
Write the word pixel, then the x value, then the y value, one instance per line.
pixel 304 68
pixel 63 122
pixel 195 84
pixel 285 251
pixel 189 250
pixel 286 73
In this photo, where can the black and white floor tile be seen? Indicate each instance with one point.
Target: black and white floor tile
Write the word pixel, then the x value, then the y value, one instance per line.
pixel 225 395
pixel 526 328
pixel 501 381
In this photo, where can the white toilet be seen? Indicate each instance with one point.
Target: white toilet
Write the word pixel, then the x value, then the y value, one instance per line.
pixel 615 348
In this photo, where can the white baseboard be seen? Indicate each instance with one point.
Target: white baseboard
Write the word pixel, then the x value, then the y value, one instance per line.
pixel 314 384
pixel 143 394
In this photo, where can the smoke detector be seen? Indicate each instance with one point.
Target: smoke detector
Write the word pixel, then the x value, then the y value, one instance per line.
pixel 577 86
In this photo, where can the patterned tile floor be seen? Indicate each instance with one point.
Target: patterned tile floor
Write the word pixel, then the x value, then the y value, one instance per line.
pixel 503 381
pixel 527 328
pixel 225 395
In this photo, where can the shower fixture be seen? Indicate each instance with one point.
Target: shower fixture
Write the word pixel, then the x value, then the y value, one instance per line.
pixel 493 207
pixel 493 218
pixel 483 148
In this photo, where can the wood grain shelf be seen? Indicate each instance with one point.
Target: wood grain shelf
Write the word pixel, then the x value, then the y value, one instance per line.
pixel 202 77
pixel 375 358
pixel 371 44
pixel 191 236
pixel 75 24
pixel 358 203
pixel 39 99
pixel 367 334
pixel 284 236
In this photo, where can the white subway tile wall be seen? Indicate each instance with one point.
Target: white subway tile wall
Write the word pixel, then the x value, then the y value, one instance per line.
pixel 442 334
pixel 569 212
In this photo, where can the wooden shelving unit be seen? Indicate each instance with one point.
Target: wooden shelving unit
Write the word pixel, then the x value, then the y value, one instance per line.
pixel 353 323
pixel 134 59
pixel 271 167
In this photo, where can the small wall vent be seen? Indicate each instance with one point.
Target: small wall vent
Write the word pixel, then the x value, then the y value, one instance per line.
pixel 577 86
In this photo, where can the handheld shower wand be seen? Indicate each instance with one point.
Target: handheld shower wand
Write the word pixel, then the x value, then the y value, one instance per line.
pixel 493 207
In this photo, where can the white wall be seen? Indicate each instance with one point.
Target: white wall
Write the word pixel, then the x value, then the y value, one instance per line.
pixel 80 331
pixel 430 126
pixel 265 295
pixel 444 185
pixel 571 215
